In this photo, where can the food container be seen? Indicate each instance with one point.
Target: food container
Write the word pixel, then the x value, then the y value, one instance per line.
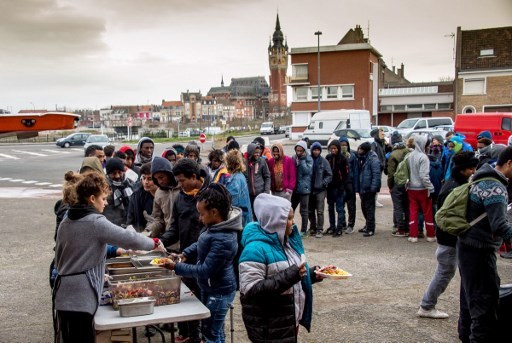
pixel 154 274
pixel 164 288
pixel 136 307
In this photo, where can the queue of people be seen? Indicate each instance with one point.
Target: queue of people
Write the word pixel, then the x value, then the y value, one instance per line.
pixel 225 218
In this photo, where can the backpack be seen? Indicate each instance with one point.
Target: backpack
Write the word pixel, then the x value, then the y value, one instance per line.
pixel 401 176
pixel 451 217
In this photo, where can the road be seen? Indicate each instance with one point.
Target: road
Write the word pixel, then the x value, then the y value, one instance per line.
pixel 378 304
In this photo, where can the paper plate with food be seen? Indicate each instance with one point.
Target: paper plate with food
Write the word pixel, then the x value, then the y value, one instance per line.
pixel 333 272
pixel 160 261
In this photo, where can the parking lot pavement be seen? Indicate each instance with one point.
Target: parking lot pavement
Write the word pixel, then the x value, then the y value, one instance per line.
pixel 378 304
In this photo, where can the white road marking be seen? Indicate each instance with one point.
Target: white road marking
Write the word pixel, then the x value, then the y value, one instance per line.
pixel 55 185
pixel 43 183
pixel 29 182
pixel 29 153
pixel 75 149
pixel 17 180
pixel 56 151
pixel 9 156
pixel 5 178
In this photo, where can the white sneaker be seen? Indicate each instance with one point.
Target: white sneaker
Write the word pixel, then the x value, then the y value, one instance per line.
pixel 413 239
pixel 378 204
pixel 433 313
pixel 431 239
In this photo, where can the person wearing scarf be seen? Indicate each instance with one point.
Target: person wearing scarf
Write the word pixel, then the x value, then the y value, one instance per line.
pixel 282 172
pixel 145 149
pixel 121 190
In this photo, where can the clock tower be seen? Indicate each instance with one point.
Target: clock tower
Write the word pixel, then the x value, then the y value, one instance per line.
pixel 278 62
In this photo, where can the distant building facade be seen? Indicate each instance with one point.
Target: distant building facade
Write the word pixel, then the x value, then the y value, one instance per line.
pixel 278 62
pixel 191 106
pixel 349 79
pixel 483 68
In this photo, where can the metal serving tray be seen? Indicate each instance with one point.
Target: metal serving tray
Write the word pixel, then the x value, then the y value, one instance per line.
pixel 136 306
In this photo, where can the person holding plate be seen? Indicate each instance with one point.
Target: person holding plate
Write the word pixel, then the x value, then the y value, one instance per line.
pixel 275 281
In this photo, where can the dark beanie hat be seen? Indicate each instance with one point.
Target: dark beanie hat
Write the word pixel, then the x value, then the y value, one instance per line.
pixel 375 133
pixel 114 164
pixel 396 137
pixel 260 141
pixel 438 138
pixel 484 134
pixel 366 147
pixel 464 159
pixel 233 145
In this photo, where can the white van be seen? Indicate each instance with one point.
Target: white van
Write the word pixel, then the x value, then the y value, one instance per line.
pixel 267 128
pixel 324 123
pixel 422 123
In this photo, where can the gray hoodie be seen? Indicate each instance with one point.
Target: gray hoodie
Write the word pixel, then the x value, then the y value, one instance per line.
pixel 419 166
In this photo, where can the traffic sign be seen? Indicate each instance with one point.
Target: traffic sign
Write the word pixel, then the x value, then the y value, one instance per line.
pixel 202 138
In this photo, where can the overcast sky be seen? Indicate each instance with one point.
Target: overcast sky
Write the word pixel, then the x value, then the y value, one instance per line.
pixel 97 53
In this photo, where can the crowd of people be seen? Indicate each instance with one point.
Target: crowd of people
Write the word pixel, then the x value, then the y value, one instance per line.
pixel 230 220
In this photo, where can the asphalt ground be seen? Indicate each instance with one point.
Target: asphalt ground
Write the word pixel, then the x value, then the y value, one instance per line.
pixel 378 304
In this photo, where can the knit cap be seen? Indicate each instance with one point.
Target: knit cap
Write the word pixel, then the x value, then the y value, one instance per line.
pixel 366 147
pixel 114 164
pixel 396 137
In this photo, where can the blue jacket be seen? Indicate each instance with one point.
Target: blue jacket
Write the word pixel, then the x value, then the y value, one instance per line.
pixel 304 170
pixel 436 174
pixel 369 174
pixel 237 187
pixel 215 251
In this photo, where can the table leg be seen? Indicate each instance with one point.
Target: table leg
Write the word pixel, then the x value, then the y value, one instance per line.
pixel 134 335
pixel 172 333
pixel 159 331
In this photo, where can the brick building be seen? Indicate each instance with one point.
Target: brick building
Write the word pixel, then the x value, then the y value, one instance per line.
pixel 278 62
pixel 191 106
pixel 349 78
pixel 171 111
pixel 483 70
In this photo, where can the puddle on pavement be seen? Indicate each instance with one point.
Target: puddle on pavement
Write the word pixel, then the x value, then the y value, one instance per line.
pixel 25 192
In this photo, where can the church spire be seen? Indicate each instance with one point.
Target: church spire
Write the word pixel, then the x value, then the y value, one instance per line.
pixel 222 81
pixel 278 37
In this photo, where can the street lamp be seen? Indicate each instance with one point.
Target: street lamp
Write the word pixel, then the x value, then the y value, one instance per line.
pixel 318 33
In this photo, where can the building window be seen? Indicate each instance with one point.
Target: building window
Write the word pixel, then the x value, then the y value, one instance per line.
pixel 300 71
pixel 414 106
pixel 386 108
pixel 399 107
pixel 301 94
pixel 332 92
pixel 430 106
pixel 314 93
pixel 486 52
pixel 347 92
pixel 469 109
pixel 444 106
pixel 474 86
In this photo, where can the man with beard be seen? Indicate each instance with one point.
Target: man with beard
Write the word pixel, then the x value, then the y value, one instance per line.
pixel 121 191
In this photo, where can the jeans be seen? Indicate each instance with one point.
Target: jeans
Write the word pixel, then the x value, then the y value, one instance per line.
pixel 368 207
pixel 419 199
pixel 336 197
pixel 316 211
pixel 303 200
pixel 350 200
pixel 479 294
pixel 446 265
pixel 218 304
pixel 400 208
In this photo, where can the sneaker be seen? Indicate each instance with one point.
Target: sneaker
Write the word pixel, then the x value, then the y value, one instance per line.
pixel 378 204
pixel 319 234
pixel 431 239
pixel 303 234
pixel 400 233
pixel 394 230
pixel 433 313
pixel 413 239
pixel 330 231
pixel 369 233
pixel 338 233
pixel 350 229
pixel 363 229
pixel 506 255
pixel 181 339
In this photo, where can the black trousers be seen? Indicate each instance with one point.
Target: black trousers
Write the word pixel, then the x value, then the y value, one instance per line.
pixel 303 200
pixel 76 327
pixel 479 294
pixel 368 208
pixel 400 207
pixel 350 200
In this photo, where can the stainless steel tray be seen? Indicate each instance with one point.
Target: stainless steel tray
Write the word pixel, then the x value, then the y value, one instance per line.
pixel 153 274
pixel 136 306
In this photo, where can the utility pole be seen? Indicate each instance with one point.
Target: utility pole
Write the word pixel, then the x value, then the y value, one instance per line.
pixel 318 33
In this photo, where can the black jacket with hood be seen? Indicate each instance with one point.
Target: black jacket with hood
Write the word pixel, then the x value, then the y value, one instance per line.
pixel 185 225
pixel 257 173
pixel 339 166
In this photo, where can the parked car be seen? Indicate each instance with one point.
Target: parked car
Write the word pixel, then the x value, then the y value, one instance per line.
pixel 421 123
pixel 74 139
pixel 426 132
pixel 267 128
pixel 355 136
pixel 288 131
pixel 101 140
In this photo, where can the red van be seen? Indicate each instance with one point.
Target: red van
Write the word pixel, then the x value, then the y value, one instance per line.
pixel 471 124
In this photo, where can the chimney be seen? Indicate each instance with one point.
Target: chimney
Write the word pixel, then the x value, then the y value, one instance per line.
pixel 402 70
